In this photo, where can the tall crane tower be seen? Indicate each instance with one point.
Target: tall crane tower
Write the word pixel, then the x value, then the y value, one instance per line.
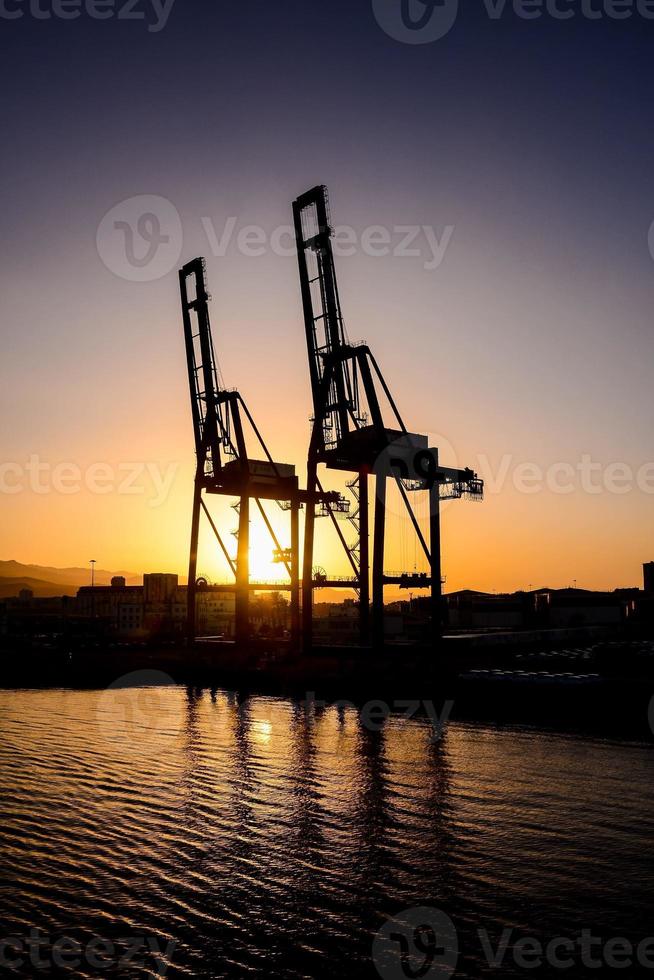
pixel 224 466
pixel 350 433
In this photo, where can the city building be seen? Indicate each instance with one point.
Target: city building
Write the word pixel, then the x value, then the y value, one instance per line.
pixel 542 608
pixel 118 605
pixel 27 615
pixel 156 608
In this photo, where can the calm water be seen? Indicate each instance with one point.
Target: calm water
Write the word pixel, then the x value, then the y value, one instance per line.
pixel 265 841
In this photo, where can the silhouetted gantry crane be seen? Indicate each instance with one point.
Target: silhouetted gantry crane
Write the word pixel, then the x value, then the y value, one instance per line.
pixel 224 466
pixel 349 433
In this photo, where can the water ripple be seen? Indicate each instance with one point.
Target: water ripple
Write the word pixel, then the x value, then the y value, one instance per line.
pixel 264 842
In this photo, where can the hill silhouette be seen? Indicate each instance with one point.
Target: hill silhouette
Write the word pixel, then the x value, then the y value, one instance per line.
pixel 48 581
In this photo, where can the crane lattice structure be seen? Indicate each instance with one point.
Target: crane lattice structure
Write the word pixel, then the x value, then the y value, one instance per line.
pixel 349 433
pixel 224 466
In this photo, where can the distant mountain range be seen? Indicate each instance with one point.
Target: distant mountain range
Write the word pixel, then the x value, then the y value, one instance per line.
pixel 46 581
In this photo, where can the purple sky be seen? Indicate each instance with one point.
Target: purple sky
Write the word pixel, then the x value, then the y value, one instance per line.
pixel 526 150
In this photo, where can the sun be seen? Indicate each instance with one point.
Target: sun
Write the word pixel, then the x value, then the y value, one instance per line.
pixel 211 560
pixel 262 566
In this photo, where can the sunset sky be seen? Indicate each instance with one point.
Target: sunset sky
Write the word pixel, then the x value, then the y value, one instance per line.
pixel 525 147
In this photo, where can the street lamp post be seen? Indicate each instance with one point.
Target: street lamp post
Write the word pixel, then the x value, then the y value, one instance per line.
pixel 92 564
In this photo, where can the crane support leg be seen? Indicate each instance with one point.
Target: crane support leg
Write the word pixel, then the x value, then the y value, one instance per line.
pixel 435 563
pixel 295 573
pixel 243 573
pixel 307 568
pixel 378 562
pixel 364 559
pixel 193 564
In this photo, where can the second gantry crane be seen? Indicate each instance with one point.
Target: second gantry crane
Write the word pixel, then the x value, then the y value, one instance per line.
pixel 349 433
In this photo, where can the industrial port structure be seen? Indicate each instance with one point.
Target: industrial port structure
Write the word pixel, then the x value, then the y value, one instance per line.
pixel 349 433
pixel 224 466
